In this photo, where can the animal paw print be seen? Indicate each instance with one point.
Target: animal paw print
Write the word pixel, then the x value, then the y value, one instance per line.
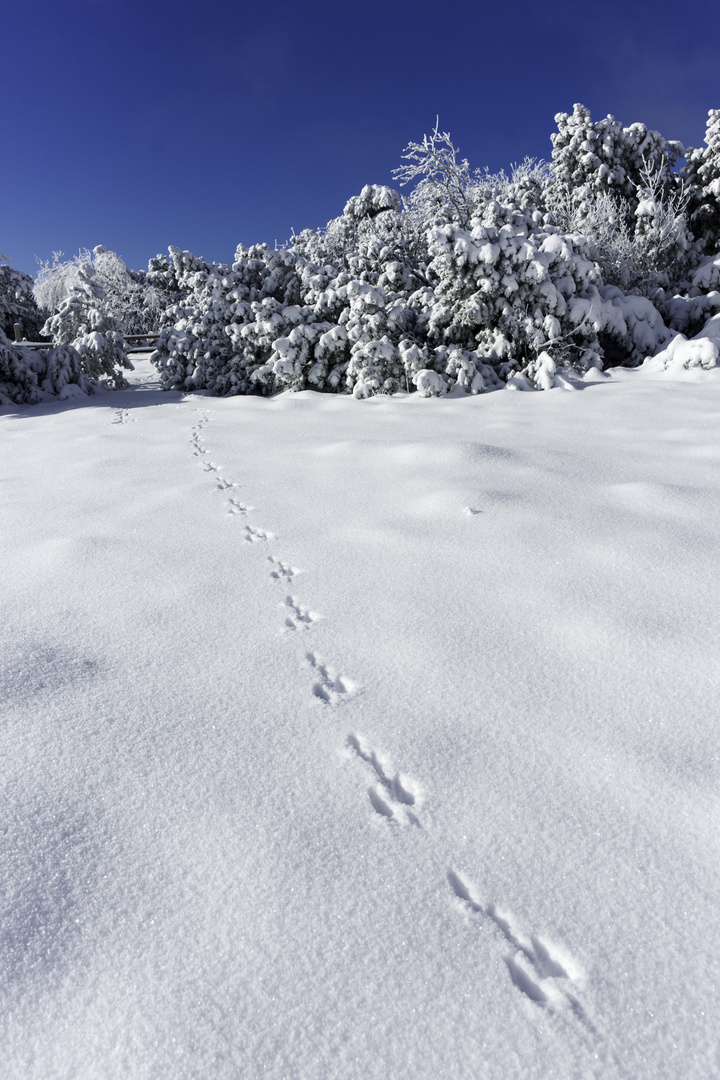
pixel 544 973
pixel 256 536
pixel 282 571
pixel 330 687
pixel 122 416
pixel 297 617
pixel 196 438
pixel 236 507
pixel 392 795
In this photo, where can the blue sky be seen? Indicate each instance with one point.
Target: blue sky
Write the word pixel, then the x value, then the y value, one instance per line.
pixel 205 124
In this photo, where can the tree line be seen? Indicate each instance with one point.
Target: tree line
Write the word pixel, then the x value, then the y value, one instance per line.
pixel 457 277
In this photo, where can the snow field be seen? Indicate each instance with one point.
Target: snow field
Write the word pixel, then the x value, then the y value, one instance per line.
pixel 312 773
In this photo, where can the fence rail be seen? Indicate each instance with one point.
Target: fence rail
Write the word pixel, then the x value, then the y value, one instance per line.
pixel 133 340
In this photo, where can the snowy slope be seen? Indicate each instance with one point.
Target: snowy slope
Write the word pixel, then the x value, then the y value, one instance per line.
pixel 356 739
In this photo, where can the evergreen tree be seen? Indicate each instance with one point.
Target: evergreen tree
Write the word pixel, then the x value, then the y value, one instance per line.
pixel 17 303
pixel 28 376
pixel 702 175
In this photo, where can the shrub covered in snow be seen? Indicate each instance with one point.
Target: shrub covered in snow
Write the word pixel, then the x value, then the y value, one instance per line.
pixel 472 281
pixel 82 320
pixel 682 354
pixel 28 376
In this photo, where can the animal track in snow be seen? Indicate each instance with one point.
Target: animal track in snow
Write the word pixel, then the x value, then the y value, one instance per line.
pixel 255 536
pixel 545 973
pixel 210 466
pixel 392 795
pixel 283 571
pixel 329 686
pixel 197 428
pixel 298 617
pixel 236 507
pixel 225 485
pixel 122 416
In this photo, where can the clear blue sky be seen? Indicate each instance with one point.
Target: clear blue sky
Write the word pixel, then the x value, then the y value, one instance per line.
pixel 204 124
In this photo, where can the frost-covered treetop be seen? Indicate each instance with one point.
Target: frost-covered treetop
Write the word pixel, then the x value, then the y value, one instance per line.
pixel 374 199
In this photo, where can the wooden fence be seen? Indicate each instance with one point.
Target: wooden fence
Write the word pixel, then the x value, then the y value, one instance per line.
pixel 137 342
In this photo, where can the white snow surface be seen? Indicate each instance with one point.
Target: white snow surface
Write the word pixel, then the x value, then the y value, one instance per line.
pixel 356 739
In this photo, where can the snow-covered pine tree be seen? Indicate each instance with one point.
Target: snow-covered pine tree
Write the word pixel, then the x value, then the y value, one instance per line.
pixel 17 303
pixel 590 158
pixel 529 298
pixel 28 376
pixel 619 187
pixel 164 290
pixel 702 176
pixel 18 381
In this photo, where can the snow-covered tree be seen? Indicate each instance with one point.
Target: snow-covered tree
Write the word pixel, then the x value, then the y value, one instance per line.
pixel 17 303
pixel 444 181
pixel 135 299
pixel 702 175
pixel 591 158
pixel 474 280
pixel 619 187
pixel 28 376
pixel 82 321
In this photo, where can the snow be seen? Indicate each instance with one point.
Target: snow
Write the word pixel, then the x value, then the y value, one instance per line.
pixel 362 738
pixel 683 358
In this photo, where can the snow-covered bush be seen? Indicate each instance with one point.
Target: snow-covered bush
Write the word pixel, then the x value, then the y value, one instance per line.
pixel 374 199
pixel 478 279
pixel 28 376
pixel 511 289
pixel 195 337
pixel 682 354
pixel 83 322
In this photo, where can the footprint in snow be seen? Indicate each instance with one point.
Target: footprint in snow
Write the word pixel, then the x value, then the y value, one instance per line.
pixel 236 507
pixel 122 416
pixel 282 571
pixel 255 536
pixel 544 973
pixel 330 687
pixel 297 617
pixel 392 795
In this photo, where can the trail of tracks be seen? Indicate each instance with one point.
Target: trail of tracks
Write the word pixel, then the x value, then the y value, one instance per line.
pixel 547 976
